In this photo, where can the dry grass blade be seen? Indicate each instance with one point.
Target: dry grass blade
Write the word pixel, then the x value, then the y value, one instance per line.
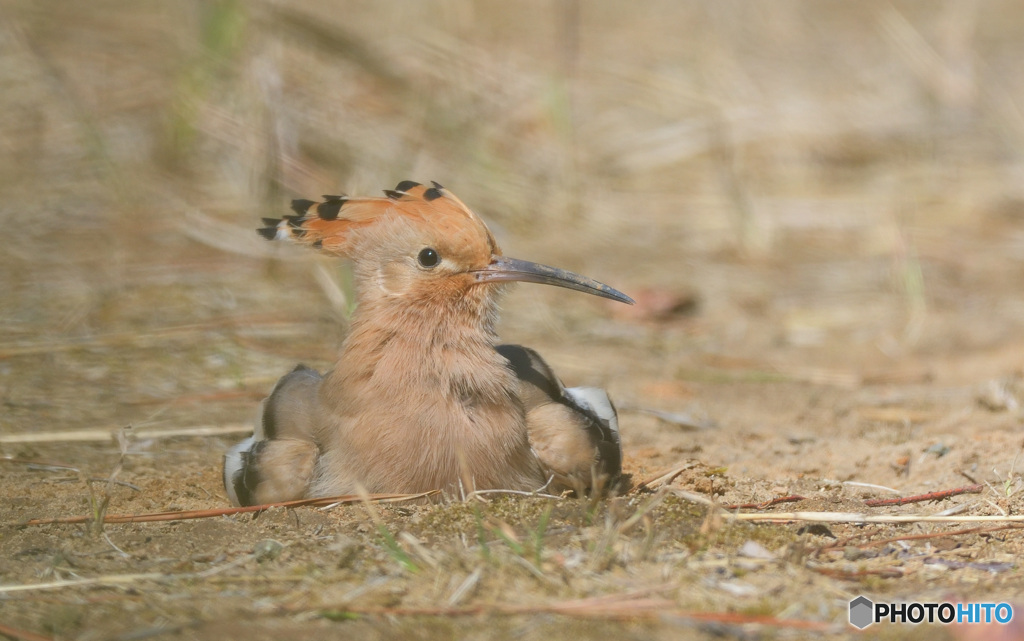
pixel 697 498
pixel 114 579
pixel 766 504
pixel 184 515
pixel 871 486
pixel 663 478
pixel 855 517
pixel 103 434
pixel 841 517
pixel 467 586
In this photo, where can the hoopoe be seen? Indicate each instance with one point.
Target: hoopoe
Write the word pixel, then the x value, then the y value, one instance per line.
pixel 422 396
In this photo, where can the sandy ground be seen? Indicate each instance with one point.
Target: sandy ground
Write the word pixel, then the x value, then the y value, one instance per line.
pixel 827 258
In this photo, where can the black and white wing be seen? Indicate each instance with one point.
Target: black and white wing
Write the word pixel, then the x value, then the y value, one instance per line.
pixel 277 462
pixel 574 431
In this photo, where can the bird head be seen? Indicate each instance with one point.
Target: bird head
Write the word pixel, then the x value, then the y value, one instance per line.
pixel 417 243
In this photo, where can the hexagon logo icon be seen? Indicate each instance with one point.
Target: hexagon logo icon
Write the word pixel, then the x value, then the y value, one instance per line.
pixel 861 612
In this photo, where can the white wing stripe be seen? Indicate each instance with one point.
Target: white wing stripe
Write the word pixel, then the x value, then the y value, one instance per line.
pixel 595 400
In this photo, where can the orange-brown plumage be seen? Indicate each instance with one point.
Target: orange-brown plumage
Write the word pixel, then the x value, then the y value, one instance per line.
pixel 420 397
pixel 435 208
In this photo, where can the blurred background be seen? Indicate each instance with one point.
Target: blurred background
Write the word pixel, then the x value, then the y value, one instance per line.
pixel 829 195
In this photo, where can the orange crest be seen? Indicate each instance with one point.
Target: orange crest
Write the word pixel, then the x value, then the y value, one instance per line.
pixel 328 225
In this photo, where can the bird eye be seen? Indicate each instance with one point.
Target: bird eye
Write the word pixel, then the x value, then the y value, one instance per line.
pixel 429 258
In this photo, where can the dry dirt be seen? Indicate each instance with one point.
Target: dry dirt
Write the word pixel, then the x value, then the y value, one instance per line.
pixel 818 207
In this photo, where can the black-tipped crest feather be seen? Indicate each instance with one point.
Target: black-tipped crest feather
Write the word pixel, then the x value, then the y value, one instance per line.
pixel 301 205
pixel 406 185
pixel 329 210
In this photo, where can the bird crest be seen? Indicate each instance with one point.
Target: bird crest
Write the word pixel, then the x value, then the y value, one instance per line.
pixel 329 225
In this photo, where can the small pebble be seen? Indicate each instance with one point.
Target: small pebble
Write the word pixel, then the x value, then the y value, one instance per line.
pixel 267 550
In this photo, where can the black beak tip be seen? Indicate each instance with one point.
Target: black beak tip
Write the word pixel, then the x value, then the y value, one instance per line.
pixel 604 291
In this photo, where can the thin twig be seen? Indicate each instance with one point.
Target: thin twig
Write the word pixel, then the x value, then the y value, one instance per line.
pixel 855 517
pixel 930 496
pixel 184 515
pixel 885 573
pixel 918 537
pixel 842 543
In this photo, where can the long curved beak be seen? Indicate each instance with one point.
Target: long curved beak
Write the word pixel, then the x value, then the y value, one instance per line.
pixel 504 269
